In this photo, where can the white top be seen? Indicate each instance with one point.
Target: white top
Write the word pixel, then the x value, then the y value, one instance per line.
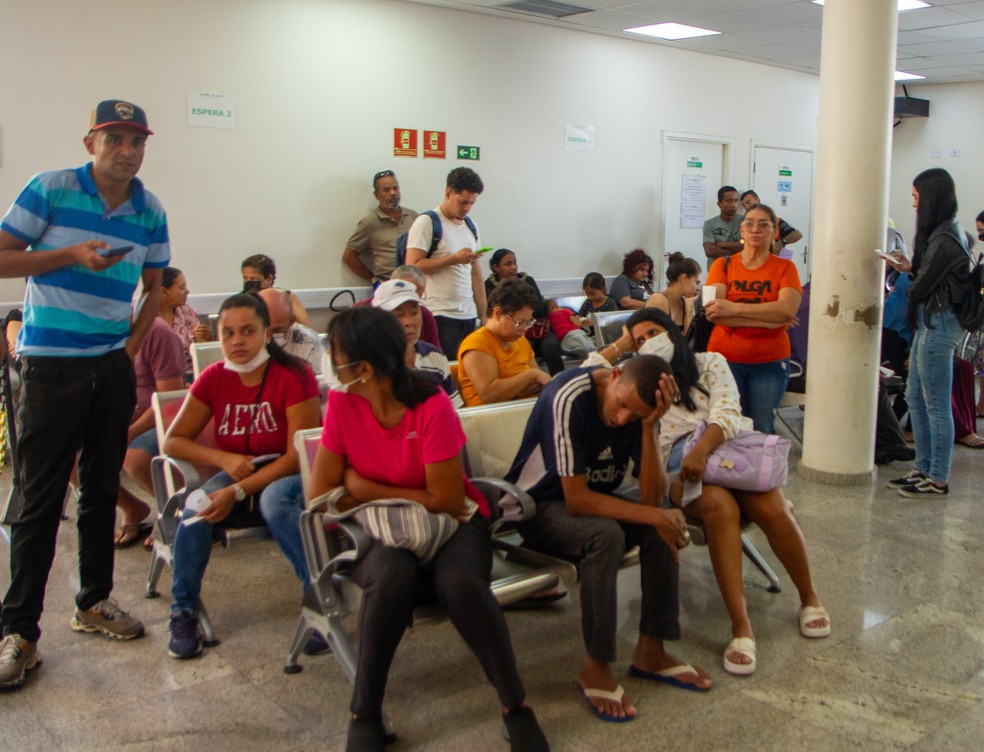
pixel 722 406
pixel 449 291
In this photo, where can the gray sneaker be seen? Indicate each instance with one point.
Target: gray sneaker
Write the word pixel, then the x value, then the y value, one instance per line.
pixel 110 619
pixel 17 657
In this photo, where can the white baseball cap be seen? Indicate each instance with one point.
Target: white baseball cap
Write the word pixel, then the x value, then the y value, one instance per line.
pixel 393 293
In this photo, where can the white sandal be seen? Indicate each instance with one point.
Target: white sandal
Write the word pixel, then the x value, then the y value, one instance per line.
pixel 743 646
pixel 813 613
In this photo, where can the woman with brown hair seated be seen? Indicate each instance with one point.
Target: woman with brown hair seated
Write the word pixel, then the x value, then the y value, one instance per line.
pixel 496 362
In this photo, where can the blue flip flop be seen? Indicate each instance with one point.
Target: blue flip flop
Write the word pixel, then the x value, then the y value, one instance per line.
pixel 587 694
pixel 668 676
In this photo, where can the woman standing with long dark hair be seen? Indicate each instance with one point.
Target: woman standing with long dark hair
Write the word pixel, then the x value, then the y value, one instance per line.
pixel 940 277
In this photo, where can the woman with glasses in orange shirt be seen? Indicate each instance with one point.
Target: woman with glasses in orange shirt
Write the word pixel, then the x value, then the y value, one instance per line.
pixel 496 362
pixel 758 295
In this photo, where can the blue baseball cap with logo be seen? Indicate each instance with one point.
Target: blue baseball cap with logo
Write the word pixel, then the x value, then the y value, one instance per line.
pixel 119 112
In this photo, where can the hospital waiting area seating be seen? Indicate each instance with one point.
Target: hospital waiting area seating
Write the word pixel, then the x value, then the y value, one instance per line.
pixel 899 578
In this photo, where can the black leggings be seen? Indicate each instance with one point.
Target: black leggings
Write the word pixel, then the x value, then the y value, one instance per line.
pixel 392 581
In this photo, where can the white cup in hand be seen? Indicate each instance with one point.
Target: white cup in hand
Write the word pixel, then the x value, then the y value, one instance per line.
pixel 707 294
pixel 197 501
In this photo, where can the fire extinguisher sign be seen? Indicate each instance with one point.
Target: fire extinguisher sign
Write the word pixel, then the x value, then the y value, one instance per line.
pixel 434 145
pixel 405 142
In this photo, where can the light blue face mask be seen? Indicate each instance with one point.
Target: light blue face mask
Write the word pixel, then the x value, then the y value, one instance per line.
pixel 660 345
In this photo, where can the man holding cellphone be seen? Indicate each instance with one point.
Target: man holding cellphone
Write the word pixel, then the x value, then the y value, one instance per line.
pixel 77 346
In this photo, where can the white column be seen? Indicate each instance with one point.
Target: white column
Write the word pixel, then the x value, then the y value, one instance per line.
pixel 853 158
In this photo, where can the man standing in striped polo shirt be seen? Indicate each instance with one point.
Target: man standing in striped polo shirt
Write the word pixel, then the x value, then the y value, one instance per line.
pixel 83 238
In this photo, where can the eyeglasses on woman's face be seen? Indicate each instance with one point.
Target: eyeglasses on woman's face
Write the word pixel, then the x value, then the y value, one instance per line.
pixel 761 224
pixel 520 323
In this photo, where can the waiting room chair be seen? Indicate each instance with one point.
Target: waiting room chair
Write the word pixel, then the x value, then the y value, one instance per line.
pixel 204 354
pixel 494 435
pixel 795 396
pixel 173 480
pixel 608 325
pixel 331 547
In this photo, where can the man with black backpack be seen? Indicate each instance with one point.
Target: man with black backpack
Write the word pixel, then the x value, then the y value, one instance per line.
pixel 442 244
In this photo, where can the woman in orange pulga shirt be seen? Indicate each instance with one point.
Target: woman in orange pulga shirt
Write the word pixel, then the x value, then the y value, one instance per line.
pixel 758 294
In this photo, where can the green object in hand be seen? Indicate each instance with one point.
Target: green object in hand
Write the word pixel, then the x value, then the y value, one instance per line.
pixel 486 249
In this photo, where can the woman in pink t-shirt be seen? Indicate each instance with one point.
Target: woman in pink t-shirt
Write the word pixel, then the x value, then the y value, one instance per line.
pixel 389 434
pixel 257 398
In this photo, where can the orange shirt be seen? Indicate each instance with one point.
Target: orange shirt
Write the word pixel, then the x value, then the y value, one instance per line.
pixel 752 344
pixel 511 362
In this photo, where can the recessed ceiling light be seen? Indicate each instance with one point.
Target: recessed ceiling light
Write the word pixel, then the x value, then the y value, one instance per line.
pixel 902 76
pixel 671 31
pixel 903 4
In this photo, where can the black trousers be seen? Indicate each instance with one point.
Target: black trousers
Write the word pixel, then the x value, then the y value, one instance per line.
pixel 458 577
pixel 548 348
pixel 67 405
pixel 451 332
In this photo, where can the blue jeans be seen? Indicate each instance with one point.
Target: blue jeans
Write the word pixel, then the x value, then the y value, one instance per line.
pixel 280 503
pixel 928 391
pixel 761 386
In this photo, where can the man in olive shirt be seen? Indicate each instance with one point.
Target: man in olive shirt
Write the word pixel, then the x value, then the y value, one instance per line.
pixel 371 251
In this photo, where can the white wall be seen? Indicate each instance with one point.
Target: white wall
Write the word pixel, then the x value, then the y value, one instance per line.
pixel 320 84
pixel 956 121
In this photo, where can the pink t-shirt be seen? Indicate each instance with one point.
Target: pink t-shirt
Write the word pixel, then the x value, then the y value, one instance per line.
pixel 428 433
pixel 247 421
pixel 161 356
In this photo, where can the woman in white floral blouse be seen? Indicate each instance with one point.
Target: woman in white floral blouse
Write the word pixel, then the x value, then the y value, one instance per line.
pixel 708 393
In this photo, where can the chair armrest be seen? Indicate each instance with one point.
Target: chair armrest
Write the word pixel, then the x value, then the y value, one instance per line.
pixel 510 504
pixel 326 551
pixel 163 466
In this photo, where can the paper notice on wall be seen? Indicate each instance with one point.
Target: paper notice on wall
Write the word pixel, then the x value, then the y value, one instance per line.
pixel 209 110
pixel 693 188
pixel 578 137
pixel 691 214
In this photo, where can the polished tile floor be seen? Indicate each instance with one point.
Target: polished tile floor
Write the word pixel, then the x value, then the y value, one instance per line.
pixel 904 668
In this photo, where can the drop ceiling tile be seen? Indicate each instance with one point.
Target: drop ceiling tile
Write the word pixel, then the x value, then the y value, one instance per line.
pixel 933 48
pixel 927 18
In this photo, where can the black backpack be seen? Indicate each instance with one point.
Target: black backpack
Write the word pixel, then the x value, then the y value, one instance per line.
pixel 436 235
pixel 970 310
pixel 699 332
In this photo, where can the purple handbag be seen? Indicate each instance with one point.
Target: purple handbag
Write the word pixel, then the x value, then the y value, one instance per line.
pixel 751 461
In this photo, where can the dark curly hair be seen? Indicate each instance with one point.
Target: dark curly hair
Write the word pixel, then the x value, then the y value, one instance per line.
pixel 635 258
pixel 262 263
pixel 511 296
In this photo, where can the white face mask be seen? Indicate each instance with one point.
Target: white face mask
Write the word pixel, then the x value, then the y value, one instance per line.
pixel 258 360
pixel 660 345
pixel 331 376
pixel 281 338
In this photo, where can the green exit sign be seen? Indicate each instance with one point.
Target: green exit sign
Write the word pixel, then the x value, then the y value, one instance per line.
pixel 468 152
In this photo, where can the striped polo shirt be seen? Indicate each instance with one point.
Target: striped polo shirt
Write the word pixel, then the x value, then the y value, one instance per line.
pixel 74 311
